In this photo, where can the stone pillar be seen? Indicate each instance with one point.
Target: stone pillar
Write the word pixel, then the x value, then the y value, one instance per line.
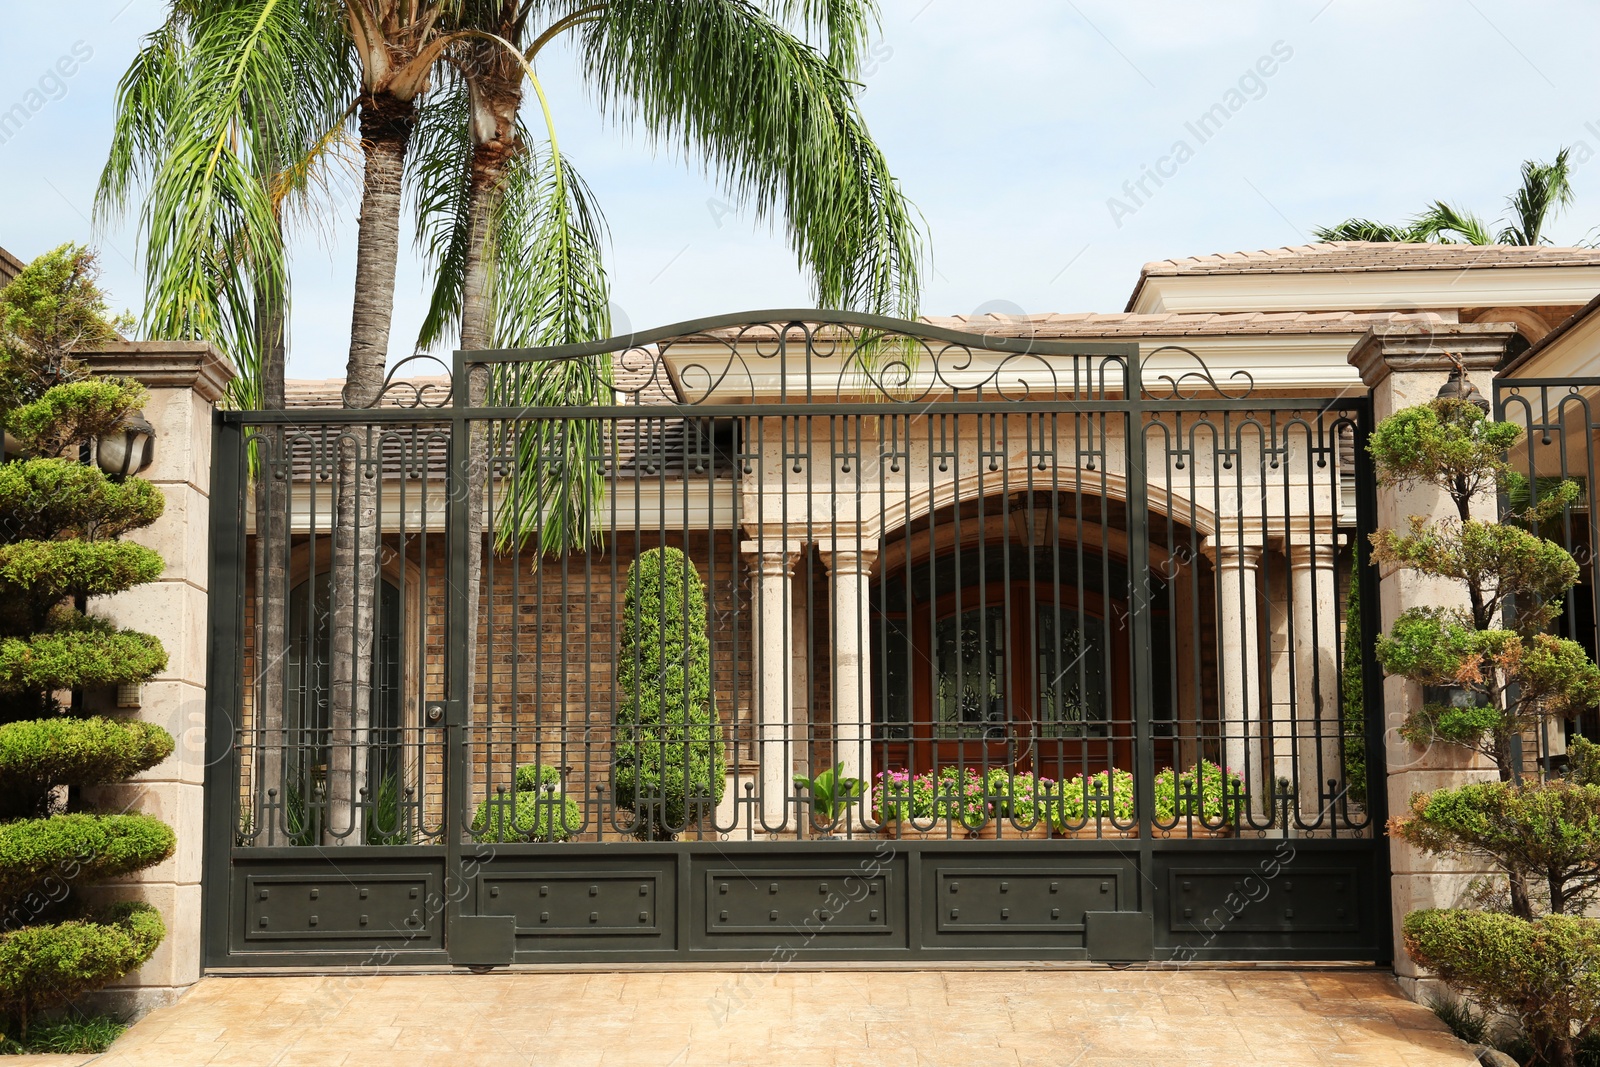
pixel 1404 366
pixel 1239 666
pixel 1314 614
pixel 774 590
pixel 849 570
pixel 185 380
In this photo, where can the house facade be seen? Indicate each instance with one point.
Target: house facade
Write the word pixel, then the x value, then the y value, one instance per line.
pixel 1077 599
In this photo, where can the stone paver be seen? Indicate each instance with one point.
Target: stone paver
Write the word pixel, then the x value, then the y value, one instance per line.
pixel 848 1018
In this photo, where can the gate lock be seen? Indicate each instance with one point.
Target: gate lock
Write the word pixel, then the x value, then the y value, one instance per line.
pixel 442 713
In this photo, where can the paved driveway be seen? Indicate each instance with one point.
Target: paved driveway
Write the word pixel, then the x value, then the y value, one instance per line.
pixel 851 1018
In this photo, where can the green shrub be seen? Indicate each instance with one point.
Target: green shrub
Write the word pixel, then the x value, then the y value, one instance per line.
pixel 43 499
pixel 72 413
pixel 1541 971
pixel 1548 830
pixel 37 575
pixel 39 754
pixel 667 764
pixel 1204 791
pixel 1457 1014
pixel 51 964
pixel 78 657
pixel 75 850
pixel 1104 795
pixel 1583 760
pixel 527 816
pixel 532 777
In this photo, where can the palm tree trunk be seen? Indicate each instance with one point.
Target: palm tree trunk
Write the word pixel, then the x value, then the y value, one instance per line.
pixel 386 125
pixel 272 549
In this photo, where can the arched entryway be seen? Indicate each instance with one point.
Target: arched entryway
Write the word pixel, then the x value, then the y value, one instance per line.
pixel 1009 644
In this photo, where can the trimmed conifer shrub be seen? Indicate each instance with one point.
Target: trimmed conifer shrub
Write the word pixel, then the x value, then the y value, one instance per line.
pixel 668 766
pixel 59 520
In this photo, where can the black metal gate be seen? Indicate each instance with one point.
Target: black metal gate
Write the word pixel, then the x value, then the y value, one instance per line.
pixel 1074 618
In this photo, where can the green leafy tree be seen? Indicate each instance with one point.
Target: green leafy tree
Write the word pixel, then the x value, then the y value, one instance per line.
pixel 1537 958
pixel 1546 189
pixel 667 765
pixel 59 521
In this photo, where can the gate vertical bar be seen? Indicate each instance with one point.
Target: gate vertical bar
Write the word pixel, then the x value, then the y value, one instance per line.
pixel 1140 680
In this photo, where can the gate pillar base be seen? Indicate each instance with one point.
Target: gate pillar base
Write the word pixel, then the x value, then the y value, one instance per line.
pixel 1119 936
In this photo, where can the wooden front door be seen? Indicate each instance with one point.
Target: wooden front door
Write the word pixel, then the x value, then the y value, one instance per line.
pixel 1007 675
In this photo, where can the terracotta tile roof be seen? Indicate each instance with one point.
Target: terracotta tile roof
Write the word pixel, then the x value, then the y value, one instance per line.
pixel 1346 256
pixel 1088 325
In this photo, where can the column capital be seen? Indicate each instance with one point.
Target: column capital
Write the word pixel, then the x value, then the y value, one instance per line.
pixel 845 558
pixel 1316 556
pixel 773 559
pixel 1234 557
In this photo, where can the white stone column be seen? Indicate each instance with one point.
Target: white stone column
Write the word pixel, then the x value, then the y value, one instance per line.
pixel 185 381
pixel 774 683
pixel 849 572
pixel 1314 591
pixel 1239 665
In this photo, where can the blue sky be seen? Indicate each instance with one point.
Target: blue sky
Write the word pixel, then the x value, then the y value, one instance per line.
pixel 1013 125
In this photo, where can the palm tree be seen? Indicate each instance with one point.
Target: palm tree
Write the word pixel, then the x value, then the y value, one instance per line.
pixel 228 122
pixel 1545 190
pixel 509 225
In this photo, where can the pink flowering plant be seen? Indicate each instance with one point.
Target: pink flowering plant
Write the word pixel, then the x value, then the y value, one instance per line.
pixel 1023 798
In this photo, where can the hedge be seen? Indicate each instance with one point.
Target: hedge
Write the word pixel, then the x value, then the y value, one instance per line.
pixel 43 499
pixel 72 413
pixel 527 816
pixel 44 856
pixel 668 765
pixel 36 575
pixel 39 754
pixel 1540 971
pixel 48 965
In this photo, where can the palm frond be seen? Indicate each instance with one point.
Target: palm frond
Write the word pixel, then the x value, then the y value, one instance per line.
pixel 1444 224
pixel 1362 230
pixel 223 100
pixel 549 288
pixel 1546 188
pixel 439 175
pixel 769 116
pixel 846 26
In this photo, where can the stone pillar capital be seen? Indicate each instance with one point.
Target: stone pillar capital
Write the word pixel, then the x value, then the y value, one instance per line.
pixel 772 559
pixel 1234 557
pixel 1430 348
pixel 847 559
pixel 1313 556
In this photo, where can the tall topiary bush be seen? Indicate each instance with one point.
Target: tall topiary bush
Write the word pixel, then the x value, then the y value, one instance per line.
pixel 1535 956
pixel 59 524
pixel 668 763
pixel 1352 687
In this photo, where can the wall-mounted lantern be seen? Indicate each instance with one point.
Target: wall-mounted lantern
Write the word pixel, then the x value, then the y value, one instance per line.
pixel 129 450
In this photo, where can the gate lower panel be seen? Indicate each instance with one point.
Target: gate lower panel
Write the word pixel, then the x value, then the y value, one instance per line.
pixel 755 902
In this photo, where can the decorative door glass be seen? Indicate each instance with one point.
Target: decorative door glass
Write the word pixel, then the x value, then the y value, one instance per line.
pixel 1072 673
pixel 969 652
